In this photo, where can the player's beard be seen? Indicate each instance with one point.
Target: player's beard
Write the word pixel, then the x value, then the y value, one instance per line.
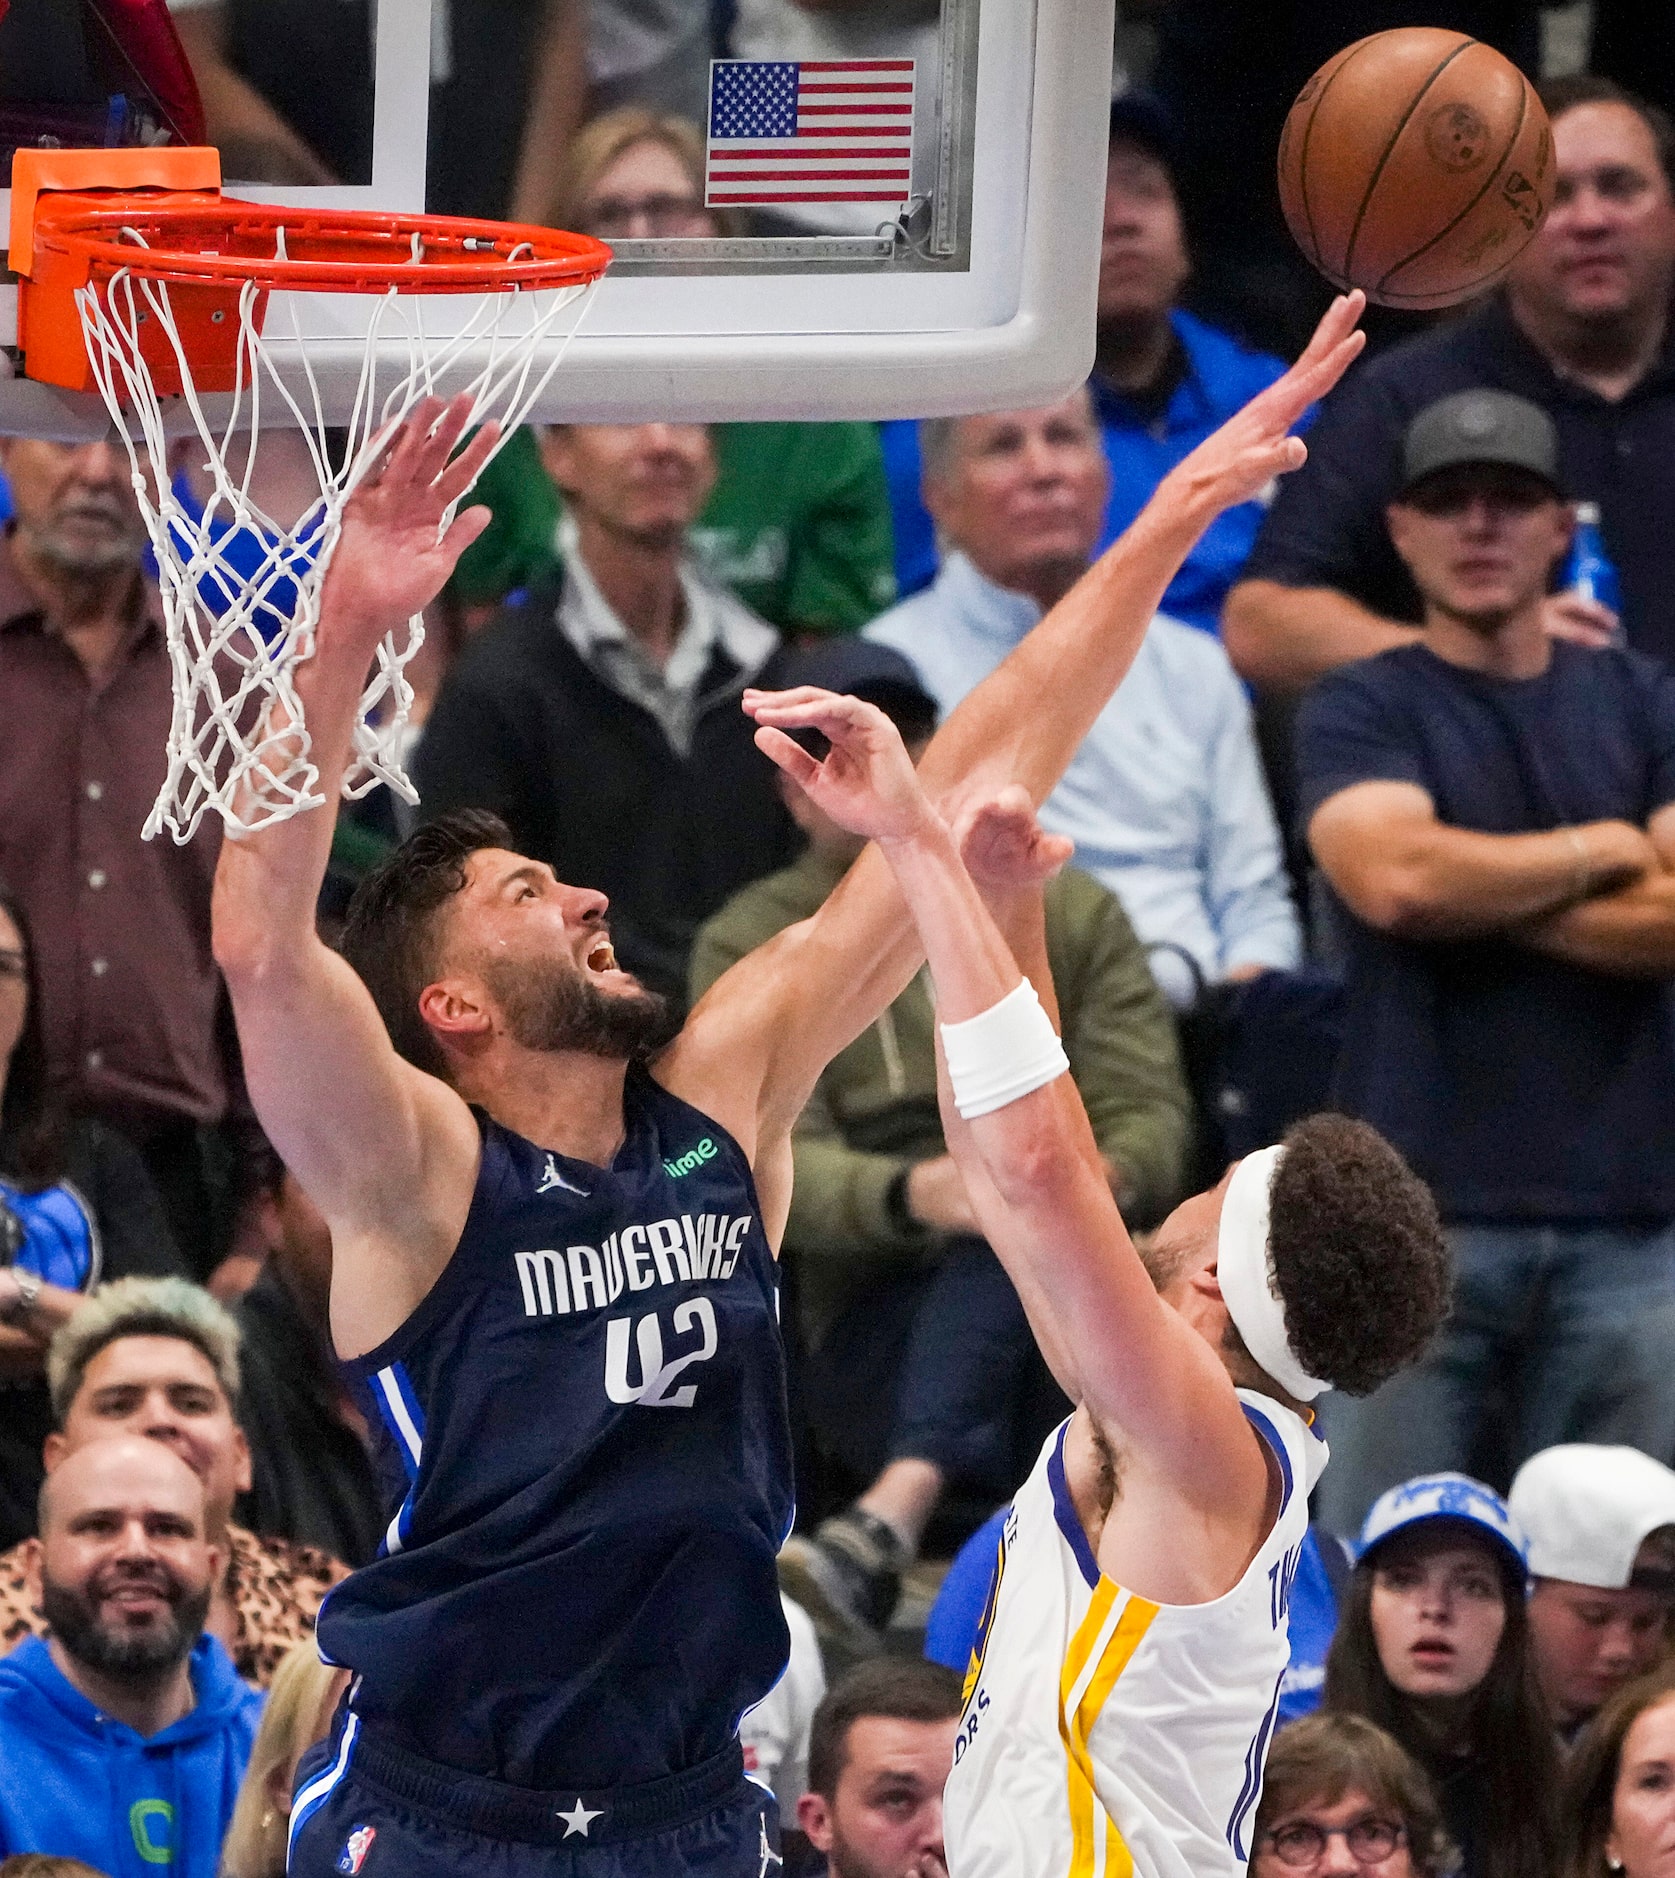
pixel 549 1005
pixel 137 1657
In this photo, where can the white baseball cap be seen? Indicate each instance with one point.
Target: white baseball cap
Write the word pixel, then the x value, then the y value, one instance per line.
pixel 1586 1510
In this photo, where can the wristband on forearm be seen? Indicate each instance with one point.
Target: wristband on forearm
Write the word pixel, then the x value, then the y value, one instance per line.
pixel 1002 1054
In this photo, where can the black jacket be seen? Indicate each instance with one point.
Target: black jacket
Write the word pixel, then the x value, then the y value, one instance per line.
pixel 311 1477
pixel 587 782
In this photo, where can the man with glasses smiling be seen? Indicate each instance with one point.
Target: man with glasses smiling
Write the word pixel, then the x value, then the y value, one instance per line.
pixel 1494 810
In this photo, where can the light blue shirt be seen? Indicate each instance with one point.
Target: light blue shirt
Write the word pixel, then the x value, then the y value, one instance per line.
pixel 1165 800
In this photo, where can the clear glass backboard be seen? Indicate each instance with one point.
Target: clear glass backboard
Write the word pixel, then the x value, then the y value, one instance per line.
pixel 917 222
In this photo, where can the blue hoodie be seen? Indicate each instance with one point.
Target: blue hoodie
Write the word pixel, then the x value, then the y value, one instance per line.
pixel 76 1783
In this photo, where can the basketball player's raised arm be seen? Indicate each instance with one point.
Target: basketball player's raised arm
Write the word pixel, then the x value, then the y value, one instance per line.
pixel 379 1146
pixel 817 986
pixel 1036 1180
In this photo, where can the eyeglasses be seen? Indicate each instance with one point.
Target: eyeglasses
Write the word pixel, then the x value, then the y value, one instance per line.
pixel 12 964
pixel 657 215
pixel 1303 1843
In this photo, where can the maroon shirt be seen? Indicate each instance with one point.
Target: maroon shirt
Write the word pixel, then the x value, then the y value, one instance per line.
pixel 129 991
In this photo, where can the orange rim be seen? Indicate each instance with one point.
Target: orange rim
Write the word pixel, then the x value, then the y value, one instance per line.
pixel 210 239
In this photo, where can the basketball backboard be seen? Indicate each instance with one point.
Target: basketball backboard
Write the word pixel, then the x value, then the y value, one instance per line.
pixel 968 283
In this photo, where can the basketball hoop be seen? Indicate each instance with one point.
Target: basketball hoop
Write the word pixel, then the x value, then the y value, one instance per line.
pixel 141 281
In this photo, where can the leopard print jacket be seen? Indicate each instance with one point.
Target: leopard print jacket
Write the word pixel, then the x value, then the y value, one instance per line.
pixel 274 1586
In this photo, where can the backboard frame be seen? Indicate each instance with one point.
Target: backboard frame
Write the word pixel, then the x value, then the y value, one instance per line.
pixel 985 312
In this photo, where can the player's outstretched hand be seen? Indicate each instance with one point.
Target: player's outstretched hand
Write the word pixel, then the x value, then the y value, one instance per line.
pixel 865 782
pixel 394 553
pixel 1004 846
pixel 1254 446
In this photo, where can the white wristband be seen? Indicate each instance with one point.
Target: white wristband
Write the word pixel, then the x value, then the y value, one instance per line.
pixel 1002 1054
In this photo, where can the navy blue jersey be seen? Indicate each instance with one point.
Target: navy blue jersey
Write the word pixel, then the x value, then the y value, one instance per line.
pixel 578 1587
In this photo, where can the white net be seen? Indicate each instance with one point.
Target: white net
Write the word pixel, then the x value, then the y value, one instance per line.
pixel 240 589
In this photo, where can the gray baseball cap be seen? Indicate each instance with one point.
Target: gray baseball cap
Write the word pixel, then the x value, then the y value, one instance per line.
pixel 1481 427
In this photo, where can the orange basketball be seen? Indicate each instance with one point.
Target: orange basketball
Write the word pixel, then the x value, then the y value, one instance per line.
pixel 1415 165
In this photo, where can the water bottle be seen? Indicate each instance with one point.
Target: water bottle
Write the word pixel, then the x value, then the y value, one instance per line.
pixel 1588 569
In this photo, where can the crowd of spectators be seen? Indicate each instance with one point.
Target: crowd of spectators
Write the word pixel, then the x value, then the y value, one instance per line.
pixel 1383 818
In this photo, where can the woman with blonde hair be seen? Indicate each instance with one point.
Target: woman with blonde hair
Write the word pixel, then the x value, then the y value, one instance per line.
pixel 1341 1795
pixel 1618 1810
pixel 638 172
pixel 300 1702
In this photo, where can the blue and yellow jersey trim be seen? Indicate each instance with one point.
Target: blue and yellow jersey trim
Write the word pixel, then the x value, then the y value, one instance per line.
pixel 980 1643
pixel 1103 1646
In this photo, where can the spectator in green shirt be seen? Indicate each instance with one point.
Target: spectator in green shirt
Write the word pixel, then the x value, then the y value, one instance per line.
pixel 922 1372
pixel 798 524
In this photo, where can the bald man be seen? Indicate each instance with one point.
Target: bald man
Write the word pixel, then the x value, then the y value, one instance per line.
pixel 126 1730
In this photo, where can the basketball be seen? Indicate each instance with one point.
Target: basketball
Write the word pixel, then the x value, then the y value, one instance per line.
pixel 1416 164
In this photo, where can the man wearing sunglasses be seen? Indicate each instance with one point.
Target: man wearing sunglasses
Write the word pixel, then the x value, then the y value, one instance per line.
pixel 1494 811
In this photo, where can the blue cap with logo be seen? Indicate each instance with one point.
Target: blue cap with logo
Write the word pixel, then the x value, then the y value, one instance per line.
pixel 1456 1498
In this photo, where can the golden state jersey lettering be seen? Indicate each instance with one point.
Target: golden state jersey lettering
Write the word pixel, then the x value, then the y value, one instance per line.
pixel 1106 1735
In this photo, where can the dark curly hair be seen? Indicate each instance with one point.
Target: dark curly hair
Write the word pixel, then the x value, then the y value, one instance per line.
pixel 1358 1254
pixel 390 933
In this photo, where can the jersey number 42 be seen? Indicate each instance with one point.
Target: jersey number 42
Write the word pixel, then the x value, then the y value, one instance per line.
pixel 655 1388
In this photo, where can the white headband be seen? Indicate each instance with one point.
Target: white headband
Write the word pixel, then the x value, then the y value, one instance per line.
pixel 1247 1284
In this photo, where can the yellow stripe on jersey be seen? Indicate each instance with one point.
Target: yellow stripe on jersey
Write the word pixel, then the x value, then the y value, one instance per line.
pixel 1114 1656
pixel 1080 1782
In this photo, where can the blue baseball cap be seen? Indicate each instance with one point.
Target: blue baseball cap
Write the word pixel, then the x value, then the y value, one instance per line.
pixel 1457 1498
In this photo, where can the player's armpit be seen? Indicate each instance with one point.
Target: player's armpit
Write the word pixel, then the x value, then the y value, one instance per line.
pixel 387 1153
pixel 1139 1368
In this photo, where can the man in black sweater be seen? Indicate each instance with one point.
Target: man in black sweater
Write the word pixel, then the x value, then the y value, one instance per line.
pixel 599 716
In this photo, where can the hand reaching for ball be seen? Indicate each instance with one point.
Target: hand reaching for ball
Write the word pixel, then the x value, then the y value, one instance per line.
pixel 1237 462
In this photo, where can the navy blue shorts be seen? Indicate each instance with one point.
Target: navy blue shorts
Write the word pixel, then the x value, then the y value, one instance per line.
pixel 365 1808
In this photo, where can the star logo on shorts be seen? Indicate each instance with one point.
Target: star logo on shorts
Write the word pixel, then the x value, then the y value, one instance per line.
pixel 578 1819
pixel 769 1855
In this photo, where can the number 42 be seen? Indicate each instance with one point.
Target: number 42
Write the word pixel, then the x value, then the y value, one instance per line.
pixel 654 1390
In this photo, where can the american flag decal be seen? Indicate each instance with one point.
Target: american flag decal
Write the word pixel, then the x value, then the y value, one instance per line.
pixel 822 130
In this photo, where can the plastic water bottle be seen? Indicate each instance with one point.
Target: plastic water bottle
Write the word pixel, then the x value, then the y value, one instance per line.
pixel 1588 569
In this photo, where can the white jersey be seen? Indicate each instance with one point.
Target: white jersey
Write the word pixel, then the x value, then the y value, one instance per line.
pixel 1105 1735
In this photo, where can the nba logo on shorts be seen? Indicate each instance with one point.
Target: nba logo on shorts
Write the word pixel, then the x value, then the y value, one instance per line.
pixel 355 1849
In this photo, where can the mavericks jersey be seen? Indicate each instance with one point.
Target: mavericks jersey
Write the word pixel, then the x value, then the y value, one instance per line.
pixel 1103 1734
pixel 591 1469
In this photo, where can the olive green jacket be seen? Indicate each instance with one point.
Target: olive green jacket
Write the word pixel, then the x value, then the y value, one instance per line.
pixel 874 1112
